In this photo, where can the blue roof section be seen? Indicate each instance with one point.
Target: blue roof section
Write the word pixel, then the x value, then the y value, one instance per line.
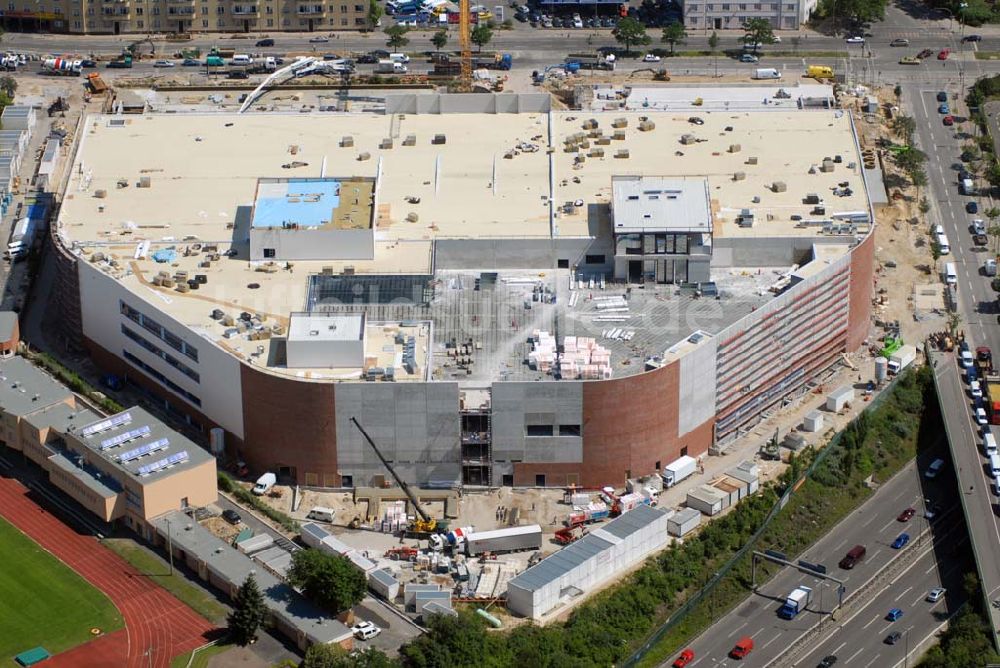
pixel 296 202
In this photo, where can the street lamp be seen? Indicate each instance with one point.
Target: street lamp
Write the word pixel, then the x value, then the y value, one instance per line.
pixel 170 547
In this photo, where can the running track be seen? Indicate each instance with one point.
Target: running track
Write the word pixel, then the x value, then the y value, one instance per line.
pixel 157 625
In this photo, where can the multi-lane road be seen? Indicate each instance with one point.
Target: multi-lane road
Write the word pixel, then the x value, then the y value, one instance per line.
pixel 873 525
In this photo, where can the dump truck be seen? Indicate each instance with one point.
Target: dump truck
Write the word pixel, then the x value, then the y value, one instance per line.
pixel 795 603
pixel 902 358
pixel 96 83
pixel 512 539
pixel 678 470
pixel 499 61
pixel 589 61
pixel 62 67
pixel 568 535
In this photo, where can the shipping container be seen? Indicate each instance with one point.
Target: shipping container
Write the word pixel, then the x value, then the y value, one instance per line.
pixel 513 539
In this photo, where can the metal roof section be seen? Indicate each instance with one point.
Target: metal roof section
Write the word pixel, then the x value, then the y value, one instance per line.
pixel 25 389
pixel 656 203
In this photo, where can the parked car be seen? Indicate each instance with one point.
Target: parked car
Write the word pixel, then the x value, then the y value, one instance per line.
pixel 696 120
pixel 901 541
pixel 900 41
pixel 893 638
pixel 978 226
pixel 319 39
pixel 943 108
pixel 231 516
pixel 88 64
pixel 164 63
pixel 972 38
pixel 651 58
pixel 265 42
pixel 894 614
pixel 365 630
pixel 971 207
pixel 749 58
pixel 190 62
pixel 943 54
pixel 827 661
pixel 935 595
pixel 906 515
pixel 948 120
pixel 942 96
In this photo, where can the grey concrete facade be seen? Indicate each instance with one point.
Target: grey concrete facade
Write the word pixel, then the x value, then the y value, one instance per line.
pixel 415 425
pixel 696 405
pixel 538 253
pixel 518 406
pixel 432 103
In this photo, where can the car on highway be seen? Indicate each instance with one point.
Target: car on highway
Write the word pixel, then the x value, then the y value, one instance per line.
pixel 231 516
pixel 943 108
pixel 749 58
pixel 686 657
pixel 971 207
pixel 936 594
pixel 696 120
pixel 827 661
pixel 943 54
pixel 265 42
pixel 981 418
pixel 893 638
pixel 856 39
pixel 948 120
pixel 978 226
pixel 900 41
pixel 365 630
pixel 935 468
pixel 893 615
pixel 972 38
pixel 319 39
pixel 926 53
pixel 906 515
pixel 932 511
pixel 853 557
pixel 651 58
pixel 164 63
pixel 742 648
pixel 901 541
pixel 88 64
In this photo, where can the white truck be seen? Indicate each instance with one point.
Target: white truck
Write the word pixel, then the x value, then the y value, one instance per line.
pixel 513 539
pixel 390 67
pixel 795 603
pixel 678 470
pixel 902 358
pixel 22 238
pixel 62 67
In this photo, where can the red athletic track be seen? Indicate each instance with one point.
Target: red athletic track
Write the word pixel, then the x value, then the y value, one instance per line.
pixel 157 625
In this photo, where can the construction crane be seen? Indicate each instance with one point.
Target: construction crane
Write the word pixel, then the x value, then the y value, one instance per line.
pixel 424 524
pixel 465 42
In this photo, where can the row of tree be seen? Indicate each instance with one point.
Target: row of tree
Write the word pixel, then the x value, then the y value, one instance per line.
pixel 395 36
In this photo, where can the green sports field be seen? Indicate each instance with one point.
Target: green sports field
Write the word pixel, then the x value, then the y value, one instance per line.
pixel 43 602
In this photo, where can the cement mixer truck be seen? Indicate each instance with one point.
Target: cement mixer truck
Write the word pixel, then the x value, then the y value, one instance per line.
pixel 62 67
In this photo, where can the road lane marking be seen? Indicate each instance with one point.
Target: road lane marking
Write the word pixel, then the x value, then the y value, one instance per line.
pixel 902 594
pixel 851 657
pixel 874 619
pixel 838 647
pixel 872 661
pixel 769 642
pixel 738 629
pixel 887 524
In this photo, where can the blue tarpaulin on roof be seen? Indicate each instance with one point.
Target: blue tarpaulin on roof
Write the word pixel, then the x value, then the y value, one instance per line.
pixel 165 255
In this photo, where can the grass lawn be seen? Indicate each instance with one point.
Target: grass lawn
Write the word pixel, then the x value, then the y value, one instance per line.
pixel 201 656
pixel 159 571
pixel 43 602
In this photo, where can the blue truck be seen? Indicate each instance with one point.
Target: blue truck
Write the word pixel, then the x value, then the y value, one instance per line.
pixel 795 603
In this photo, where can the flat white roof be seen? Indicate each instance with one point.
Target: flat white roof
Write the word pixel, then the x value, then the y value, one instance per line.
pixel 326 327
pixel 648 203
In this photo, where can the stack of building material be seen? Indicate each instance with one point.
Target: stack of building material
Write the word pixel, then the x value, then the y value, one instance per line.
pixel 584 358
pixel 393 517
pixel 543 351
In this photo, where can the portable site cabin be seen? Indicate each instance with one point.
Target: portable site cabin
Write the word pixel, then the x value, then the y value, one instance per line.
pixel 707 499
pixel 683 522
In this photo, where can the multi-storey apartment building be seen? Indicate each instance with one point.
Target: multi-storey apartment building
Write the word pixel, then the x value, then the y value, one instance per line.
pixel 156 16
pixel 715 15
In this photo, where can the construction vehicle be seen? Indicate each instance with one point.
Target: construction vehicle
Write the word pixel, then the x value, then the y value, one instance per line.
pixel 62 67
pixel 984 360
pixel 96 83
pixel 891 345
pixel 588 514
pixel 402 553
pixel 133 48
pixel 991 395
pixel 590 61
pixel 570 534
pixel 626 502
pixel 498 61
pixel 678 470
pixel 58 106
pixel 10 62
pixel 123 61
pixel 424 525
pixel 220 52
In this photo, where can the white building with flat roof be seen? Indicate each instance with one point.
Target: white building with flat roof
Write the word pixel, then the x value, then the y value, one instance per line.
pixel 714 15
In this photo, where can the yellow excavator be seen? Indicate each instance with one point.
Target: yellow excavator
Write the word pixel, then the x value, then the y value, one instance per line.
pixel 423 525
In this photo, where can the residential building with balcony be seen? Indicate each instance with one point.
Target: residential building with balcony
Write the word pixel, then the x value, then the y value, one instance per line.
pixel 714 15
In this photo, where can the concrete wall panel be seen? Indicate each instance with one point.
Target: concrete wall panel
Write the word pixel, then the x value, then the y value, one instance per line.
pixel 862 290
pixel 697 387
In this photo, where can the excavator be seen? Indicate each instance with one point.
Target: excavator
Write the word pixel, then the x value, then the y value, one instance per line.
pixel 424 525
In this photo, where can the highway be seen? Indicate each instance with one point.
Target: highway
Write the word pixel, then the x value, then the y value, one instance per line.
pixel 860 639
pixel 873 525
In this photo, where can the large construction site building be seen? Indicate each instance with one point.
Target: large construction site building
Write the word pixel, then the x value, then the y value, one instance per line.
pixel 500 293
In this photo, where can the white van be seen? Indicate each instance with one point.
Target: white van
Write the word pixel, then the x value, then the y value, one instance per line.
pixel 943 246
pixel 990 267
pixel 966 187
pixel 989 444
pixel 950 276
pixel 994 465
pixel 241 59
pixel 321 514
pixel 399 58
pixel 766 73
pixel 264 484
pixel 936 230
pixel 996 485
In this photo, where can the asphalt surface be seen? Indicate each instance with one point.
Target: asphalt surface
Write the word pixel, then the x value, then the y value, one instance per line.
pixel 860 640
pixel 873 525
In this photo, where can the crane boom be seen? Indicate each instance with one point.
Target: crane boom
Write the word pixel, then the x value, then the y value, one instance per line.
pixel 399 481
pixel 465 43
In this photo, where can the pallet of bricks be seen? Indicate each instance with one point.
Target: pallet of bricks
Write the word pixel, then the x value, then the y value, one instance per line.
pixel 393 517
pixel 584 358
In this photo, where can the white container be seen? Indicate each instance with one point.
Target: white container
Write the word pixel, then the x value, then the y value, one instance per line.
pixel 813 422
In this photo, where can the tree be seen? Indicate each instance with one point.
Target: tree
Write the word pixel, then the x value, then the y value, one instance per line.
pixel 954 320
pixel 396 35
pixel 333 656
pixel 674 34
pixel 994 232
pixel 481 35
pixel 249 612
pixel 757 32
pixel 374 13
pixel 905 126
pixel 439 39
pixel 327 579
pixel 630 32
pixel 8 85
pixel 713 45
pixel 856 12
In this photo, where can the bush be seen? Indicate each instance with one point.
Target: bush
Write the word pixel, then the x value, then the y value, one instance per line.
pixel 248 498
